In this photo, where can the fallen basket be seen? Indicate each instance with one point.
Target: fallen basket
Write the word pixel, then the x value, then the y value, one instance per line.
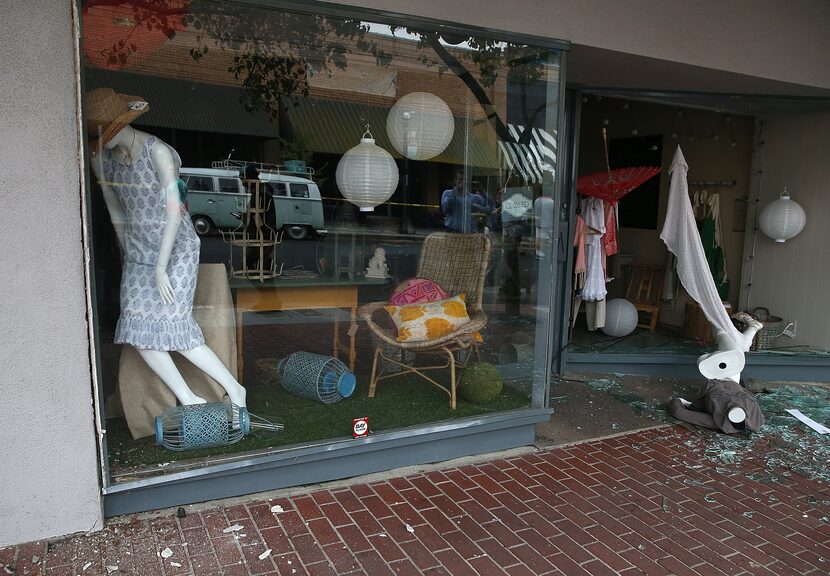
pixel 773 328
pixel 316 377
pixel 207 425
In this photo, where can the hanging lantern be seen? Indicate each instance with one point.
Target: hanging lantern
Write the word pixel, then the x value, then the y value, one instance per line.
pixel 782 219
pixel 420 125
pixel 367 174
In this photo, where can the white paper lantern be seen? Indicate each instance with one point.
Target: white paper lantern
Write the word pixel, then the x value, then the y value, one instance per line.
pixel 620 318
pixel 420 125
pixel 782 219
pixel 367 174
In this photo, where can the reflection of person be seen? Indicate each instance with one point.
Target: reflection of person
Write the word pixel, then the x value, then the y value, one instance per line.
pixel 487 207
pixel 514 228
pixel 138 174
pixel 460 207
pixel 543 218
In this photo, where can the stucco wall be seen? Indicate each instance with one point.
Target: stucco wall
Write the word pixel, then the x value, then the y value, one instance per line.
pixel 765 38
pixel 48 463
pixel 791 279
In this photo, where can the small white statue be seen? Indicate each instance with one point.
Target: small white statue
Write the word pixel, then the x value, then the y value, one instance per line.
pixel 377 265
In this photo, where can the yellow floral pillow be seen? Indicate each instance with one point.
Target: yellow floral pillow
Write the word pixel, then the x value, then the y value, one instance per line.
pixel 428 320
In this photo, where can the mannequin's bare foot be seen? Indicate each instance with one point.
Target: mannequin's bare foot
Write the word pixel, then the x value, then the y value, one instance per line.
pixel 238 395
pixel 192 399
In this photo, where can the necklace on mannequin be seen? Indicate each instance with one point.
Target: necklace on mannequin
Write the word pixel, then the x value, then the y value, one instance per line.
pixel 128 155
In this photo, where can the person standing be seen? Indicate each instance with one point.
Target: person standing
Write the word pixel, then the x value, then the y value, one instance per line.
pixel 543 210
pixel 460 206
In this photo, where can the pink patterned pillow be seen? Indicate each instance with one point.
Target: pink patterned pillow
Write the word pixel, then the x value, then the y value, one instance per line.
pixel 417 291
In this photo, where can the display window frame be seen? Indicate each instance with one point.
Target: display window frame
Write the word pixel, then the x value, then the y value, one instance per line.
pixel 316 461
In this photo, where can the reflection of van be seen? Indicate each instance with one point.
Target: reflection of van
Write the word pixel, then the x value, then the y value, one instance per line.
pixel 212 198
pixel 297 204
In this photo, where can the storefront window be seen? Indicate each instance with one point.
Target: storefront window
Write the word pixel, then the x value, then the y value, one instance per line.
pixel 316 218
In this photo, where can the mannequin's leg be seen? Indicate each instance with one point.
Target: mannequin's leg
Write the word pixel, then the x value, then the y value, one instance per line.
pixel 752 327
pixel 162 364
pixel 206 360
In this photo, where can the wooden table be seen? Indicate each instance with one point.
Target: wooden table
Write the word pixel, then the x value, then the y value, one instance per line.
pixel 300 294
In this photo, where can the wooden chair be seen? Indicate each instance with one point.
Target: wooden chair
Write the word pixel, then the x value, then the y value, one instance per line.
pixel 645 287
pixel 457 263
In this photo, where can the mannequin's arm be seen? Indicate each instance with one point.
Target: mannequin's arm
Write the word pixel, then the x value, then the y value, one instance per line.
pixel 166 169
pixel 116 211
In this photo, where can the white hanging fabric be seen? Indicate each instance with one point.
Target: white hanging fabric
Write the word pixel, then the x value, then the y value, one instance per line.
pixel 682 238
pixel 594 216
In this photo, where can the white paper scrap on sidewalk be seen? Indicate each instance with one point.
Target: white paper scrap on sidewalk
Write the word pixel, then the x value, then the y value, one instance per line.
pixel 820 428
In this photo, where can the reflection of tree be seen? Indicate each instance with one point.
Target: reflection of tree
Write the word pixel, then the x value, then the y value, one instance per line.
pixel 275 54
pixel 522 62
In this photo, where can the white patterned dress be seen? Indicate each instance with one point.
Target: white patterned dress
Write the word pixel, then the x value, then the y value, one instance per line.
pixel 146 321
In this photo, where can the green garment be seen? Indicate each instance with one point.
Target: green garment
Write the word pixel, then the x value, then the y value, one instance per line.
pixel 714 256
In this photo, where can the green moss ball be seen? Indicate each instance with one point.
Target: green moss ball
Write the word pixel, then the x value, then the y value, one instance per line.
pixel 480 382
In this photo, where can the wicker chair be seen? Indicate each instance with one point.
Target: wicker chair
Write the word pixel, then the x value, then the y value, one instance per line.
pixel 457 263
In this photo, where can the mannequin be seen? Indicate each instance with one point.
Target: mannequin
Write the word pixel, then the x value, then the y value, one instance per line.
pixel 723 404
pixel 151 225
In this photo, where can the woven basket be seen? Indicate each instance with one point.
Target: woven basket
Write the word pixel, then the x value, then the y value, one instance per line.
pixel 773 327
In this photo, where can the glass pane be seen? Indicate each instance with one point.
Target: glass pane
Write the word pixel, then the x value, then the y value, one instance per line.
pixel 229 185
pixel 299 191
pixel 426 165
pixel 199 183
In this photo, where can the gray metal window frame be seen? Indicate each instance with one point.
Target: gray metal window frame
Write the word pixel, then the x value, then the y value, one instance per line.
pixel 317 462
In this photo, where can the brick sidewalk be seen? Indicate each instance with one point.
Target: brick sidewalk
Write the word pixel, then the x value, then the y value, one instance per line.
pixel 650 502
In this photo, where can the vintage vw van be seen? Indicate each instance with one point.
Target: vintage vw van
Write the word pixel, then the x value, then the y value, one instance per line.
pixel 296 202
pixel 214 198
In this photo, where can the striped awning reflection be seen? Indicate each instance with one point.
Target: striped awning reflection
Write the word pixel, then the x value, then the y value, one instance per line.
pixel 532 160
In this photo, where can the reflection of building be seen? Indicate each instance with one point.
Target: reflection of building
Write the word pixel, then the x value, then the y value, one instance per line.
pixel 52 350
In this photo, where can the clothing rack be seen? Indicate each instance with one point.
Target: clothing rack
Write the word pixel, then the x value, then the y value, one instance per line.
pixel 713 183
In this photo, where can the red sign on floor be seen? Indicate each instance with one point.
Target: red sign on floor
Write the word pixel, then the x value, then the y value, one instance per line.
pixel 360 427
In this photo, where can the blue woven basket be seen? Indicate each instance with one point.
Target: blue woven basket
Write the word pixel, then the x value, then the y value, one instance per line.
pixel 316 377
pixel 207 425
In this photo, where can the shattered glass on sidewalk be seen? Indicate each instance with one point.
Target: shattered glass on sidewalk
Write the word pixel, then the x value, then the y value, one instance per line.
pixel 788 446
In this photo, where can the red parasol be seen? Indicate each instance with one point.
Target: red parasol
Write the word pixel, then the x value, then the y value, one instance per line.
pixel 612 185
pixel 118 32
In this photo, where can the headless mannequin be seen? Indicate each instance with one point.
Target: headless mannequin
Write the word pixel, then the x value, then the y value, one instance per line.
pixel 125 146
pixel 723 404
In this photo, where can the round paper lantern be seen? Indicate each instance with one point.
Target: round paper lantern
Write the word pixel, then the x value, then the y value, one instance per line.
pixel 367 174
pixel 420 125
pixel 620 318
pixel 782 219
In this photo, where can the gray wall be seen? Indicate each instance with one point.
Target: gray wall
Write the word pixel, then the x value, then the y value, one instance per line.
pixel 791 279
pixel 771 39
pixel 49 473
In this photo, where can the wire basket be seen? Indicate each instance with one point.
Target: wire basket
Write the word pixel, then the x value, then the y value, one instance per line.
pixel 773 328
pixel 207 425
pixel 316 377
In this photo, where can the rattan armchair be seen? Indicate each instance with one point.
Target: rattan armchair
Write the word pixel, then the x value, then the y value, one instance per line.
pixel 457 263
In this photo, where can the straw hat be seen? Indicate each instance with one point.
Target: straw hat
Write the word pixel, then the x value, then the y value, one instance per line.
pixel 110 112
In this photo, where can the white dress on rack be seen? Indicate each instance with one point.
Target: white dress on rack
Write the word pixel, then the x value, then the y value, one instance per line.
pixel 594 216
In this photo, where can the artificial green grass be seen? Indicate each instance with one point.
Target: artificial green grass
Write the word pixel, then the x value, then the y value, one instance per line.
pixel 399 402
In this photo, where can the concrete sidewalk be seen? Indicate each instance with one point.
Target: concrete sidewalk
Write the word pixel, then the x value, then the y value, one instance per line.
pixel 653 502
